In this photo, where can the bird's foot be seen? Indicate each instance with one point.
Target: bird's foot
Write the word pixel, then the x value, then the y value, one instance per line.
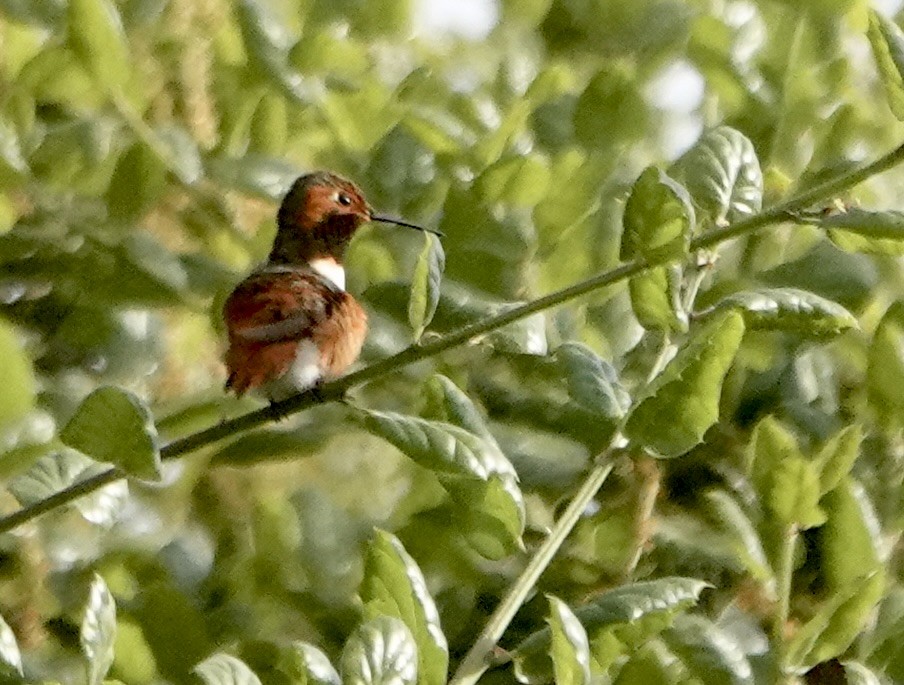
pixel 275 412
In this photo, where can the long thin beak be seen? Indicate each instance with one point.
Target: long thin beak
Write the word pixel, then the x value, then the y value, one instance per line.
pixel 401 222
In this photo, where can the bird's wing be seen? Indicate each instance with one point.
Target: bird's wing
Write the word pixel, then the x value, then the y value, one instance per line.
pixel 266 316
pixel 270 307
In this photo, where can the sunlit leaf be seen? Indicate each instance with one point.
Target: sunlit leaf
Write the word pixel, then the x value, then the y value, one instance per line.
pixel 307 664
pixel 98 631
pixel 630 606
pixel 223 669
pixel 885 367
pixel 832 629
pixel 16 377
pixel 270 125
pixel 569 647
pixel 856 673
pixel 521 181
pixel 770 445
pixel 113 425
pixel 592 382
pixel 137 184
pixel 96 35
pixel 12 161
pixel 790 309
pixel 380 652
pixel 687 391
pixel 887 42
pixel 850 541
pixel 707 652
pixel 859 230
pixel 723 176
pixel 425 285
pixel 726 513
pixel 655 299
pixel 658 217
pixel 794 496
pixel 10 657
pixel 393 585
pixel 837 457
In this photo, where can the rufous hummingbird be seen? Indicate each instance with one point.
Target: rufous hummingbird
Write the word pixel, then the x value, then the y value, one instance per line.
pixel 291 324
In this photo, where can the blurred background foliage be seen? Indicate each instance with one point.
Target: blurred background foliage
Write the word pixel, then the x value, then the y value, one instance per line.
pixel 144 146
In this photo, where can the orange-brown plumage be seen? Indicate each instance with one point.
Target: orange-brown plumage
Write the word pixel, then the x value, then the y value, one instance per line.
pixel 290 323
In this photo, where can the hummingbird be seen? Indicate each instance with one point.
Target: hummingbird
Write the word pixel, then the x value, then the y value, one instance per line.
pixel 291 324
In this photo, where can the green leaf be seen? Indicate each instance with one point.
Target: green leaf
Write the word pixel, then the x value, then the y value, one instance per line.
pixel 722 174
pixel 770 445
pixel 520 181
pixel 656 301
pixel 380 652
pixel 268 42
pixel 569 647
pixel 611 108
pixel 425 285
pixel 438 446
pixel 856 673
pixel 725 513
pixel 794 496
pixel 452 405
pixel 113 425
pixel 635 610
pixel 687 391
pixel 790 309
pixel 860 230
pixel 10 657
pixel 709 654
pixel 393 585
pixel 835 460
pixel 96 36
pixel 652 663
pixel 471 468
pixel 850 541
pixel 98 631
pixel 270 125
pixel 12 162
pixel 307 665
pixel 223 669
pixel 887 42
pixel 56 472
pixel 885 367
pixel 16 377
pixel 592 382
pixel 658 218
pixel 490 515
pixel 837 623
pixel 137 184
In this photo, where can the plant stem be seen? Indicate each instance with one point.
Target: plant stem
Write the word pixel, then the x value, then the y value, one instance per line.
pixel 334 390
pixel 650 479
pixel 785 573
pixel 475 662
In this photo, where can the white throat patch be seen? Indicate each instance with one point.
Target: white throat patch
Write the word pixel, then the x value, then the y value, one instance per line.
pixel 331 270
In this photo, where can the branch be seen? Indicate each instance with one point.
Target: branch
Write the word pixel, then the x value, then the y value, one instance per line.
pixel 336 389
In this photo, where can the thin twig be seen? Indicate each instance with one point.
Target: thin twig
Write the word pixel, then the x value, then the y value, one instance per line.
pixel 336 389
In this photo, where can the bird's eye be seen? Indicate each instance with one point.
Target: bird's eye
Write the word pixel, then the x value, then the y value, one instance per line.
pixel 343 199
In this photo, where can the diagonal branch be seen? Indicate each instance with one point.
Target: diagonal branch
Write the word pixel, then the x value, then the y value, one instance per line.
pixel 336 389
